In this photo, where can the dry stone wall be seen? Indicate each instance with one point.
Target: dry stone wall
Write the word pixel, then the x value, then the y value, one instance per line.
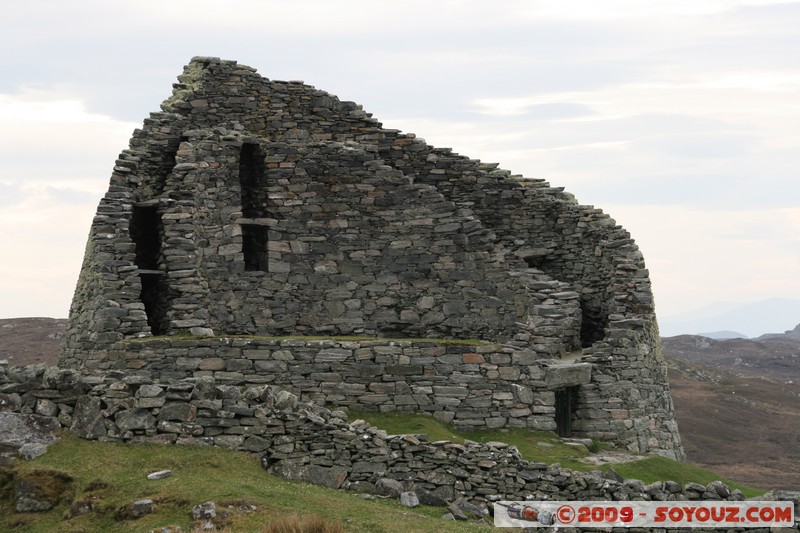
pixel 586 248
pixel 261 207
pixel 471 387
pixel 304 441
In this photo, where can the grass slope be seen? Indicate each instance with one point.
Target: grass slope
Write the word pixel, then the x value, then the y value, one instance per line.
pixel 111 475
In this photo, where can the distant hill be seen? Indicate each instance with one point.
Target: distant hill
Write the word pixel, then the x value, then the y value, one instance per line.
pixel 775 357
pixel 24 341
pixel 722 335
pixel 737 403
pixel 748 319
pixel 792 334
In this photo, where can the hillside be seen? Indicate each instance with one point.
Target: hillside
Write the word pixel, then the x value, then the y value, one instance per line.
pixel 748 319
pixel 774 357
pixel 25 341
pixel 738 405
pixel 736 411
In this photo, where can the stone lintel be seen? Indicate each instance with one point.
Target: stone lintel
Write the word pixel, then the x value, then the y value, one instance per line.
pixel 557 376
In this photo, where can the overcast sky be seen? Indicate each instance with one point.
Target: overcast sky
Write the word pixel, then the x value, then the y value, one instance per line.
pixel 679 118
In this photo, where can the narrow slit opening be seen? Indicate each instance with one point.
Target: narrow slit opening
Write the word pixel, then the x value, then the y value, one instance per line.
pixel 146 231
pixel 254 247
pixel 254 194
pixel 253 182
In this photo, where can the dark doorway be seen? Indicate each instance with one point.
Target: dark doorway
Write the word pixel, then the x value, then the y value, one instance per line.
pixel 565 407
pixel 155 299
pixel 146 232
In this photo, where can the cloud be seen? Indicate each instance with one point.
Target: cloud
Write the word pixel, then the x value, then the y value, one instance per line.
pixel 69 196
pixel 681 115
pixel 530 108
pixel 55 160
pixel 705 145
pixel 10 194
pixel 49 139
pixel 652 159
pixel 698 256
pixel 638 9
pixel 42 252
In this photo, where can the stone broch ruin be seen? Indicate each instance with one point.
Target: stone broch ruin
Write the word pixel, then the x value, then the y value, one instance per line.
pixel 264 232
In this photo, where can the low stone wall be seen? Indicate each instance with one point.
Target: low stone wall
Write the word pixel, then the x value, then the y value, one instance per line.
pixel 306 441
pixel 471 386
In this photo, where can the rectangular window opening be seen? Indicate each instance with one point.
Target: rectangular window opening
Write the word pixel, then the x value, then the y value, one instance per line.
pixel 254 195
pixel 254 246
pixel 146 231
pixel 253 181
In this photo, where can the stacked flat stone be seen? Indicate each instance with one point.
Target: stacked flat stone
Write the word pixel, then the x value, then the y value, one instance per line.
pixel 477 386
pixel 304 441
pixel 249 206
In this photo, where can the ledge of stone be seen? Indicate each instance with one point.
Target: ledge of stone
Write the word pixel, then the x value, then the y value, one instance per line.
pixel 560 375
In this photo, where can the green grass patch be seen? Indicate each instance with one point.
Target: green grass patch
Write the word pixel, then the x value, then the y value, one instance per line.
pixel 540 446
pixel 111 475
pixel 655 468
